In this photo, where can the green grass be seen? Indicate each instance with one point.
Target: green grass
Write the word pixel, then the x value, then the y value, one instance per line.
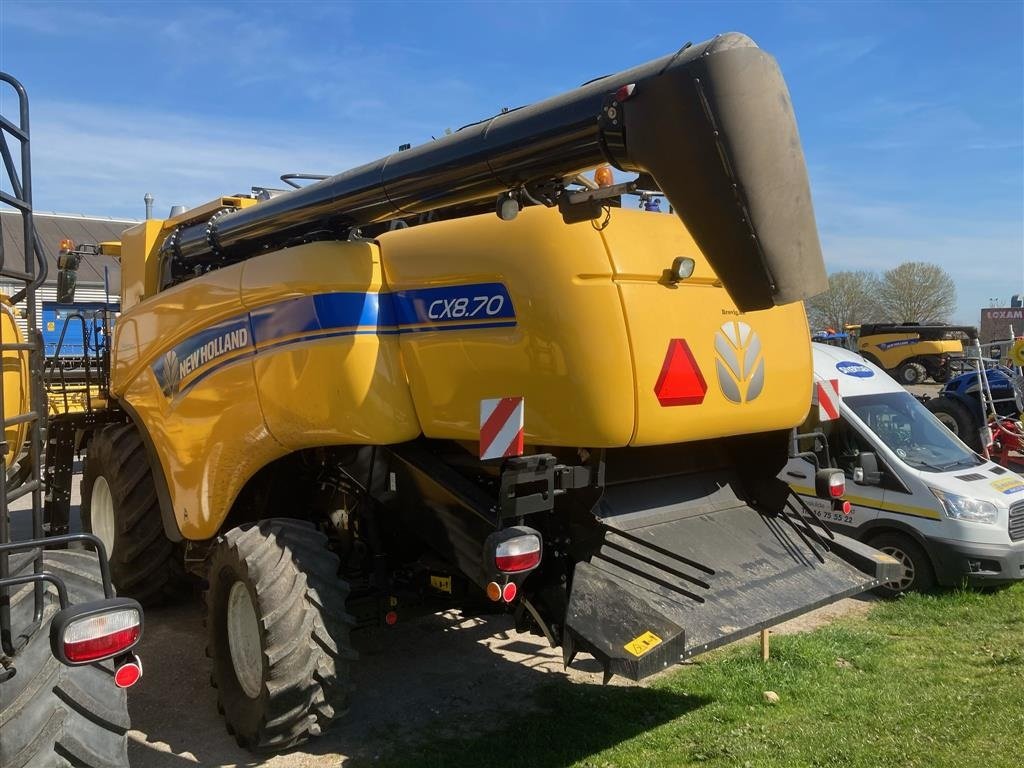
pixel 925 681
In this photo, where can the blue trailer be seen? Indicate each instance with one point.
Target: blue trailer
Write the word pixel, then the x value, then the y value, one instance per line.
pixel 75 337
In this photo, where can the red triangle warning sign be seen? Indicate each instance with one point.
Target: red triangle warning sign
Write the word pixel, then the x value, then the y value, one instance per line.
pixel 680 382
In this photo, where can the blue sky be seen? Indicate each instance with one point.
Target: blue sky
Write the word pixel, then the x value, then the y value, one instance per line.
pixel 911 115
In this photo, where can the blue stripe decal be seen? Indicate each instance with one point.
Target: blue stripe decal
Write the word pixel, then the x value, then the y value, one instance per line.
pixel 332 315
pixel 321 312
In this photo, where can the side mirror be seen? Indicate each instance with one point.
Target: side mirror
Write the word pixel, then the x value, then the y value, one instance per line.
pixel 866 472
pixel 67 276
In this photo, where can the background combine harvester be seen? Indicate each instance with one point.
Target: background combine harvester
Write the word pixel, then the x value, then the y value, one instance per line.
pixel 911 352
pixel 334 401
pixel 65 640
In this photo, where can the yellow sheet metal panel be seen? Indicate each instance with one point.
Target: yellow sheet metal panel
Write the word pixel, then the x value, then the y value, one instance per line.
pixel 567 352
pixel 233 370
pixel 138 261
pixel 210 440
pixel 327 352
pixel 16 381
pixel 181 361
pixel 755 368
pixel 146 331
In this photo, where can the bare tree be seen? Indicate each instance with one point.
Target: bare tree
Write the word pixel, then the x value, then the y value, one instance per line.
pixel 852 297
pixel 917 292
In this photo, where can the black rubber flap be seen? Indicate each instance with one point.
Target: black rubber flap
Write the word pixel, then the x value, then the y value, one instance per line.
pixel 656 594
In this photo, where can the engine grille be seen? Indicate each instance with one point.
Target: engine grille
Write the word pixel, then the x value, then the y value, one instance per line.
pixel 1017 521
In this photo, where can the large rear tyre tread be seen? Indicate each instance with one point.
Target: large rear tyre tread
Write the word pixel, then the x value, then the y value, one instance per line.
pixel 144 563
pixel 51 715
pixel 292 580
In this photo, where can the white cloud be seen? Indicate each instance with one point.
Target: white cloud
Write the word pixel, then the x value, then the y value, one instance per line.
pixel 89 159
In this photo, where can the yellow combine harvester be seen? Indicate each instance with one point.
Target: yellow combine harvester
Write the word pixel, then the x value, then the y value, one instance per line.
pixel 338 400
pixel 911 352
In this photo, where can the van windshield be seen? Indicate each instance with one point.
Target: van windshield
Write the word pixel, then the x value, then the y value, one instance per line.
pixel 911 432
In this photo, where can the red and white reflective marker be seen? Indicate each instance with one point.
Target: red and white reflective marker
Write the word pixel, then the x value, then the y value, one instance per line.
pixel 501 427
pixel 828 400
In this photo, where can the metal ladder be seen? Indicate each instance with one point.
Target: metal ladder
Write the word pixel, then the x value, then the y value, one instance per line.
pixel 23 478
pixel 992 419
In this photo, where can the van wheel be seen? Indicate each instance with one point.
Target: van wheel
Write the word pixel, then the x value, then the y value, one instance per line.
pixel 119 505
pixel 910 373
pixel 957 419
pixel 278 633
pixel 918 575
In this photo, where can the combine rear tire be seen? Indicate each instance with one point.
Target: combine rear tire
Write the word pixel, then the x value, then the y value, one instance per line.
pixel 119 505
pixel 910 373
pixel 957 419
pixel 918 575
pixel 278 633
pixel 52 715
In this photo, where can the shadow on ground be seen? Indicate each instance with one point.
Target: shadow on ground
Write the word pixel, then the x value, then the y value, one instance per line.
pixel 435 680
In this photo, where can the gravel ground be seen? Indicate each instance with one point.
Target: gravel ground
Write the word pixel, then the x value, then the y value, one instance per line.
pixel 437 675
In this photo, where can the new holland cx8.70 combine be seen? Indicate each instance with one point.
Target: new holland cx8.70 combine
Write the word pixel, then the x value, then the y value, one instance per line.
pixel 370 388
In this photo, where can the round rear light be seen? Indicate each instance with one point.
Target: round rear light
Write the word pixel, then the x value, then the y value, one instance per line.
pixel 508 594
pixel 128 674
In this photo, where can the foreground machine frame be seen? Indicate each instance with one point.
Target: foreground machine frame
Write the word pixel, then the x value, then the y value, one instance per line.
pixel 56 597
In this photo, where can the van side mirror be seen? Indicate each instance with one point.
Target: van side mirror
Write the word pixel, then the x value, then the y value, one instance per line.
pixel 866 472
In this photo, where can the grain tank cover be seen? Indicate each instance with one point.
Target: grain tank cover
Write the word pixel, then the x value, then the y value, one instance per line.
pixel 712 124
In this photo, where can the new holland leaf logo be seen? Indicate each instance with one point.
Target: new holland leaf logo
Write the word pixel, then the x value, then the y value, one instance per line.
pixel 169 374
pixel 739 362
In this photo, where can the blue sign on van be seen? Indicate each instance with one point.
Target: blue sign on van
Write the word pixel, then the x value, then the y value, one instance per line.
pixel 851 368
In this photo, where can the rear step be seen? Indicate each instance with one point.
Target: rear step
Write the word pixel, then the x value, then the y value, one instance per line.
pixel 655 594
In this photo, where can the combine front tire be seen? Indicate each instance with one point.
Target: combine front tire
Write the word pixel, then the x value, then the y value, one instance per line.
pixel 910 373
pixel 119 505
pixel 278 633
pixel 957 419
pixel 52 715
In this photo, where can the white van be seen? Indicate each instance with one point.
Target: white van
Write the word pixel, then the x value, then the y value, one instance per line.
pixel 916 492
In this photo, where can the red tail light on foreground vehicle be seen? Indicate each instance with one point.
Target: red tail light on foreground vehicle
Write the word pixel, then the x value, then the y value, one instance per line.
pixel 830 483
pixel 513 550
pixel 519 554
pixel 95 631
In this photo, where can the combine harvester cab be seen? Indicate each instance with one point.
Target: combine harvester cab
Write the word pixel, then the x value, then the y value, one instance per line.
pixel 576 409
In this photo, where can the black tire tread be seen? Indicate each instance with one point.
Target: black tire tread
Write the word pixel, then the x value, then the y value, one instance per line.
pixel 301 601
pixel 145 564
pixel 967 429
pixel 924 571
pixel 51 715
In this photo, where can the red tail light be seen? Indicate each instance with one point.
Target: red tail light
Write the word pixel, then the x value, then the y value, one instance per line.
pixel 837 485
pixel 519 554
pixel 829 483
pixel 101 636
pixel 88 632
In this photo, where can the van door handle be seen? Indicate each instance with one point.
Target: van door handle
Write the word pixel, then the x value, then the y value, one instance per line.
pixel 801 475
